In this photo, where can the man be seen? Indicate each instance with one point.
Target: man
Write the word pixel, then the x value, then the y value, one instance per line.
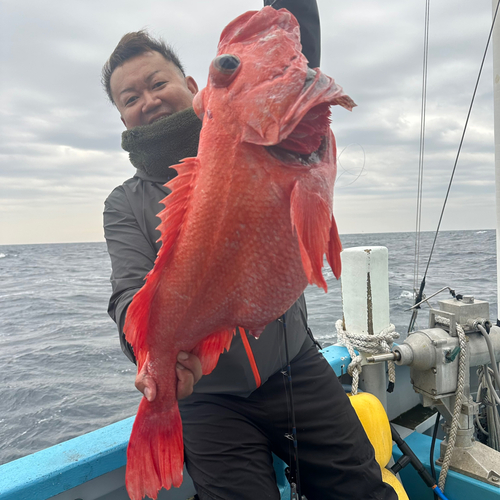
pixel 234 417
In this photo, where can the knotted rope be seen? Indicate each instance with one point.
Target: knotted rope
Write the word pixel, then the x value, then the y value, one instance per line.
pixel 372 344
pixel 452 435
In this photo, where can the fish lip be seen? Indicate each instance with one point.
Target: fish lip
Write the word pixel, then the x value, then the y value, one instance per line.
pixel 317 89
pixel 310 77
pixel 293 149
pixel 294 159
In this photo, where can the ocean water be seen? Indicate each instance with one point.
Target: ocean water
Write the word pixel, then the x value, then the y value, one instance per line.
pixel 62 372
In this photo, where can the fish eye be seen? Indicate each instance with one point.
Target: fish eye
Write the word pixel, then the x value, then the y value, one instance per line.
pixel 223 69
pixel 226 63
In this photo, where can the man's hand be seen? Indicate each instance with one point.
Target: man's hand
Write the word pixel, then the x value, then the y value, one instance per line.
pixel 188 369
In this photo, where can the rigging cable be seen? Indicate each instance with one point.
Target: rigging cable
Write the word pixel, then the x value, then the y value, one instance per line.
pixel 433 444
pixel 422 285
pixel 421 147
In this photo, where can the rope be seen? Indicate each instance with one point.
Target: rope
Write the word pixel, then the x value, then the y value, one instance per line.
pixel 372 344
pixel 462 365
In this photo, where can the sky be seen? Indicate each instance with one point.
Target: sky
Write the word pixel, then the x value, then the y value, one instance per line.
pixel 60 152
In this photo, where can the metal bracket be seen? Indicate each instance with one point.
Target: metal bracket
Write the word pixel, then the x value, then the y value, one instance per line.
pixel 453 322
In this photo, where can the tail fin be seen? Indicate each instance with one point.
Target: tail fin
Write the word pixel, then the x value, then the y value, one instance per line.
pixel 155 454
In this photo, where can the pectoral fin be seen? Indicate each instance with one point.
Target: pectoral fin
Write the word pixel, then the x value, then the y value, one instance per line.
pixel 334 249
pixel 211 347
pixel 316 232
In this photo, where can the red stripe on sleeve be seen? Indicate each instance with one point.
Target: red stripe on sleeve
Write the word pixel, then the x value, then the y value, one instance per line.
pixel 251 358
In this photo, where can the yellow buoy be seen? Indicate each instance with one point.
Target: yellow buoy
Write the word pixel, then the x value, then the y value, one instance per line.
pixel 372 415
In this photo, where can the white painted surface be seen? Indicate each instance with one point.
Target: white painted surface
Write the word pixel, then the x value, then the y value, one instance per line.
pixel 365 289
pixel 365 298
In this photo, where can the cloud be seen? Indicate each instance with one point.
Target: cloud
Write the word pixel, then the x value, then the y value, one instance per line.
pixel 60 138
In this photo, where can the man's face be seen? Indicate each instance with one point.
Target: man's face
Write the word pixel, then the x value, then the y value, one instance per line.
pixel 148 87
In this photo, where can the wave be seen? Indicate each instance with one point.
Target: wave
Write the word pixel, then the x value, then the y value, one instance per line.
pixel 9 295
pixel 53 302
pixel 2 255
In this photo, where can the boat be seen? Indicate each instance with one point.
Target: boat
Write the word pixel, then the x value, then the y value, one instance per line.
pixel 92 466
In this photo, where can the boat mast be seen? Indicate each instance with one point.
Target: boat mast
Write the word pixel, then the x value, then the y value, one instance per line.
pixel 496 96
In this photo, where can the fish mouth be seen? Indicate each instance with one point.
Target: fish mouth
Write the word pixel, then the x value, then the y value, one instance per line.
pixel 307 142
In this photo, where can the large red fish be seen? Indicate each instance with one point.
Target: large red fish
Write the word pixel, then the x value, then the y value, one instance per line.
pixel 245 228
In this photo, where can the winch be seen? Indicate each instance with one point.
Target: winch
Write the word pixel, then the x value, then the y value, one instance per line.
pixel 439 374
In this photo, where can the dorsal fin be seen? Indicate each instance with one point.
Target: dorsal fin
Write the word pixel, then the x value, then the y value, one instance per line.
pixel 172 216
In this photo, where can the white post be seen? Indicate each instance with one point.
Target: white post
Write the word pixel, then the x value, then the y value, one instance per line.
pixel 365 301
pixel 496 94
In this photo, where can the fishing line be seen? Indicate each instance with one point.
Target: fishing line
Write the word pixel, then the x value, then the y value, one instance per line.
pixel 422 285
pixel 345 170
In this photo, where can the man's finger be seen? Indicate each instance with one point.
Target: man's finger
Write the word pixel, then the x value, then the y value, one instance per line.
pixel 185 381
pixel 191 363
pixel 145 383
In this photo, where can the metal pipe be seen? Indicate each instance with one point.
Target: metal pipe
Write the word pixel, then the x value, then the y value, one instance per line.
pixel 485 348
pixel 379 358
pixel 492 355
